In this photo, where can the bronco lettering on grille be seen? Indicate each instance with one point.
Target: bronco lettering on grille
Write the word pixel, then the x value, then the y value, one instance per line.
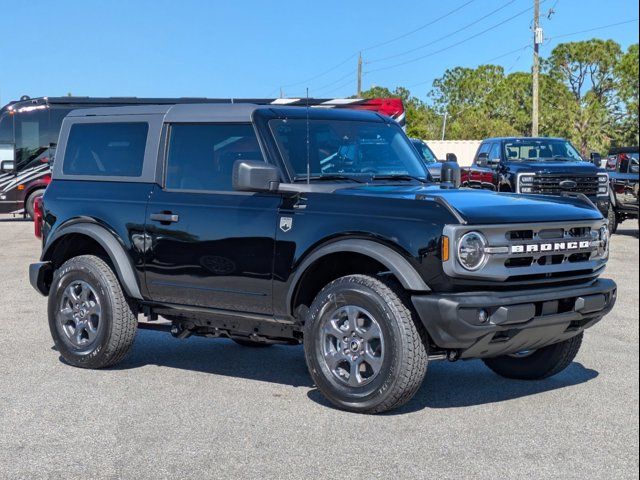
pixel 550 247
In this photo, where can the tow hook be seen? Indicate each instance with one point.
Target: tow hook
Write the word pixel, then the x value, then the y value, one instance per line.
pixel 181 330
pixel 453 355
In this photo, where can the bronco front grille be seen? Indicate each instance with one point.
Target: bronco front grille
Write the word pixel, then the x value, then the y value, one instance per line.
pixel 531 251
pixel 558 184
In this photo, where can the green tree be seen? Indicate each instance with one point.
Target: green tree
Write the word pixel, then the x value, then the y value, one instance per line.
pixel 589 68
pixel 422 121
pixel 627 73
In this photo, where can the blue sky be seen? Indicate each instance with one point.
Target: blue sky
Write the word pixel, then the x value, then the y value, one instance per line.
pixel 251 48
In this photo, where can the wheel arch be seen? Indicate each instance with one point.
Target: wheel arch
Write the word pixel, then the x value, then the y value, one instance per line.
pixel 372 252
pixel 59 244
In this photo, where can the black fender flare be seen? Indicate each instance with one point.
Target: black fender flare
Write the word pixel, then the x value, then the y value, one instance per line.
pixel 110 244
pixel 394 261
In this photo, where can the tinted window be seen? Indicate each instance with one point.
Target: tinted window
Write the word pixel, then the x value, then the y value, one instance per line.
pixel 424 151
pixel 201 157
pixel 106 149
pixel 351 148
pixel 541 149
pixel 494 153
pixel 484 148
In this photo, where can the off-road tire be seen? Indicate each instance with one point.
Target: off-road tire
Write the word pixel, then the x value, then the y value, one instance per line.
pixel 543 363
pixel 612 220
pixel 405 353
pixel 116 334
pixel 29 204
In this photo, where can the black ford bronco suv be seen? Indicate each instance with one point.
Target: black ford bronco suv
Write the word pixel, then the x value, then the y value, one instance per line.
pixel 271 224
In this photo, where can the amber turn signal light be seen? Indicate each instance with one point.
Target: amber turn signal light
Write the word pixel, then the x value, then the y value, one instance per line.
pixel 445 248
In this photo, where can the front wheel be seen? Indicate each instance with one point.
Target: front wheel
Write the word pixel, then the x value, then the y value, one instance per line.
pixel 92 323
pixel 364 348
pixel 612 220
pixel 536 364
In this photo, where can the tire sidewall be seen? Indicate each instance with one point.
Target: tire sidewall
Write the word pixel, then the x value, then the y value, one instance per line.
pixel 30 203
pixel 72 271
pixel 327 302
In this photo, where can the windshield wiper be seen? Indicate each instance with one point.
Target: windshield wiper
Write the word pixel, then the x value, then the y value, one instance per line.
pixel 328 178
pixel 399 177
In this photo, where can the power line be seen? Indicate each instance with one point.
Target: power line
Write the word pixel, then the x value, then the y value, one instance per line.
pixel 371 47
pixel 511 52
pixel 323 73
pixel 444 37
pixel 592 29
pixel 422 27
pixel 471 37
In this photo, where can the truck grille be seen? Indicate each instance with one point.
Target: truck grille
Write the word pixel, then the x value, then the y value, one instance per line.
pixel 533 252
pixel 557 184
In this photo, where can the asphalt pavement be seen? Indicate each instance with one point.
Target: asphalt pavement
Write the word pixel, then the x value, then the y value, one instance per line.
pixel 201 408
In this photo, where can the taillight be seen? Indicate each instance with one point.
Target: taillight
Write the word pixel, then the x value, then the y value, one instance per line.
pixel 38 217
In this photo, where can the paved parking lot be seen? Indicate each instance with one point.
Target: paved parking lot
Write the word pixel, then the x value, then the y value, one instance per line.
pixel 202 408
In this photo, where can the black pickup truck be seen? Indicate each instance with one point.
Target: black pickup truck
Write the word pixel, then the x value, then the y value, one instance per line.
pixel 271 224
pixel 538 166
pixel 622 166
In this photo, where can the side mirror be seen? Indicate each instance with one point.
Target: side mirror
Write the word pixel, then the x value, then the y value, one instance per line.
pixel 450 175
pixel 451 157
pixel 482 160
pixel 634 168
pixel 596 159
pixel 7 166
pixel 255 176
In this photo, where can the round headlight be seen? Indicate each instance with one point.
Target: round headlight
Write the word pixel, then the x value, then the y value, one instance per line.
pixel 471 253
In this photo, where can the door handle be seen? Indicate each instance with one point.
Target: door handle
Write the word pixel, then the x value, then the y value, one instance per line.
pixel 164 217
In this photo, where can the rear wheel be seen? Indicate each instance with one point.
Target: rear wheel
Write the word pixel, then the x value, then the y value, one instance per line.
pixel 92 323
pixel 29 204
pixel 364 348
pixel 536 364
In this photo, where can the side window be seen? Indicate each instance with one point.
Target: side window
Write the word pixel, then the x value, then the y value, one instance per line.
pixel 484 148
pixel 494 153
pixel 106 149
pixel 201 157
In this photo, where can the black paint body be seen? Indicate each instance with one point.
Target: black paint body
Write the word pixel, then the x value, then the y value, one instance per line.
pixel 227 256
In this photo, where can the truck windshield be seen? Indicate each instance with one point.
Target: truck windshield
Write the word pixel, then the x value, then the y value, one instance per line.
pixel 347 150
pixel 424 151
pixel 32 130
pixel 541 149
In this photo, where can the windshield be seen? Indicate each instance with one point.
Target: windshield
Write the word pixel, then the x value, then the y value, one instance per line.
pixel 350 150
pixel 424 151
pixel 33 131
pixel 541 149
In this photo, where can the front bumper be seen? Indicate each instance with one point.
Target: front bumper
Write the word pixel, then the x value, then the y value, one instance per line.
pixel 515 320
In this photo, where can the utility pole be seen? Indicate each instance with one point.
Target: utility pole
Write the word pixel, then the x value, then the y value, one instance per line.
pixel 537 40
pixel 359 75
pixel 444 124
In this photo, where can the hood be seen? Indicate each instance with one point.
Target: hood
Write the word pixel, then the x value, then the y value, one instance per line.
pixel 577 167
pixel 481 207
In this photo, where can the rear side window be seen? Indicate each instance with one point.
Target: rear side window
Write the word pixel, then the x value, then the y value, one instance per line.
pixel 106 149
pixel 201 157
